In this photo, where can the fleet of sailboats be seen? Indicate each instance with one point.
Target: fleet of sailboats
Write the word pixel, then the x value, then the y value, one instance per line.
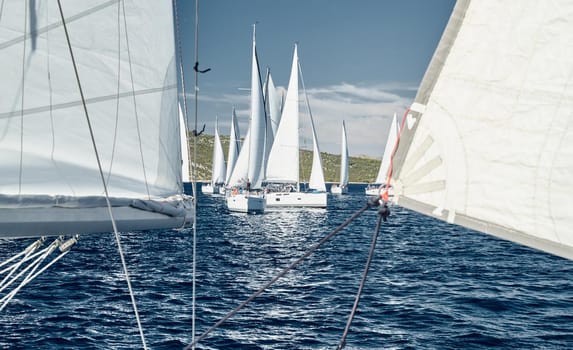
pixel 121 166
pixel 342 186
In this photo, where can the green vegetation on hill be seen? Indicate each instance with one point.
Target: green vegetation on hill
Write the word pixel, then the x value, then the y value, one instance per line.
pixel 361 169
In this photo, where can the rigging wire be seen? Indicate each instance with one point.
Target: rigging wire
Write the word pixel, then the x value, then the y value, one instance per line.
pixel 370 203
pixel 196 134
pixel 64 247
pixel 383 214
pixel 117 238
pixel 194 171
pixel 314 138
pixel 21 166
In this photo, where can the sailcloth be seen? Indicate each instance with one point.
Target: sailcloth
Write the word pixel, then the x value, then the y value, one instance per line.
pixel 283 161
pixel 250 162
pixel 273 99
pixel 488 143
pixel 46 154
pixel 184 147
pixel 344 158
pixel 218 167
pixel 381 178
pixel 234 146
pixel 316 180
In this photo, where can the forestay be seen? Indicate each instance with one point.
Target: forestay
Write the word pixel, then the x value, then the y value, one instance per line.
pixel 488 143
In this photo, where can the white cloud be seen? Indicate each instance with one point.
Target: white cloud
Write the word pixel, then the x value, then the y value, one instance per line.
pixel 367 110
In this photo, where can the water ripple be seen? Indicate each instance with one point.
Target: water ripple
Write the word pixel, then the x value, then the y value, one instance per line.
pixel 431 286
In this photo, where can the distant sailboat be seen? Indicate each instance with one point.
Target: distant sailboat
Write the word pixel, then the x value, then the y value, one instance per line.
pixel 382 177
pixel 282 176
pixel 248 171
pixel 342 187
pixel 234 148
pixel 218 168
pixel 52 180
pixel 488 141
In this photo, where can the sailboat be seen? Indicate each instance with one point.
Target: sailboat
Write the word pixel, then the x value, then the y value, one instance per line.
pixel 69 160
pixel 342 187
pixel 380 183
pixel 218 169
pixel 487 142
pixel 234 148
pixel 244 193
pixel 282 175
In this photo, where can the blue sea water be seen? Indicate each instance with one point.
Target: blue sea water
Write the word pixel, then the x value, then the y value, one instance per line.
pixel 431 286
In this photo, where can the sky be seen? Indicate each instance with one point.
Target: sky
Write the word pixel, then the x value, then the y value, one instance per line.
pixel 362 61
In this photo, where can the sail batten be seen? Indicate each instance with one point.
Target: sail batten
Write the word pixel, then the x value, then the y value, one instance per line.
pixel 495 127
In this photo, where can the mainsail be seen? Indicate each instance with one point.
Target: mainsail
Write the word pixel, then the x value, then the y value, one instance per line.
pixel 488 142
pixel 218 169
pixel 250 162
pixel 49 173
pixel 234 146
pixel 283 161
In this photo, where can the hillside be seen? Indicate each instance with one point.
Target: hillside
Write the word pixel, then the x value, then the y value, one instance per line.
pixel 361 169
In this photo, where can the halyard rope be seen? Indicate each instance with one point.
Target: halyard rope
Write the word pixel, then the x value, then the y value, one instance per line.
pixel 371 203
pixel 117 238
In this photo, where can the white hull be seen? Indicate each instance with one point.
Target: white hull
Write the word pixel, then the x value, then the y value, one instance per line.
pixel 335 189
pixel 376 191
pixel 246 203
pixel 208 189
pixel 372 191
pixel 296 199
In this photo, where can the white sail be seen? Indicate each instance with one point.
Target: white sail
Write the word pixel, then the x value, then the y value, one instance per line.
pixel 46 152
pixel 344 158
pixel 218 166
pixel 269 133
pixel 316 180
pixel 250 161
pixel 184 147
pixel 234 146
pixel 274 104
pixel 489 141
pixel 283 161
pixel 382 176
